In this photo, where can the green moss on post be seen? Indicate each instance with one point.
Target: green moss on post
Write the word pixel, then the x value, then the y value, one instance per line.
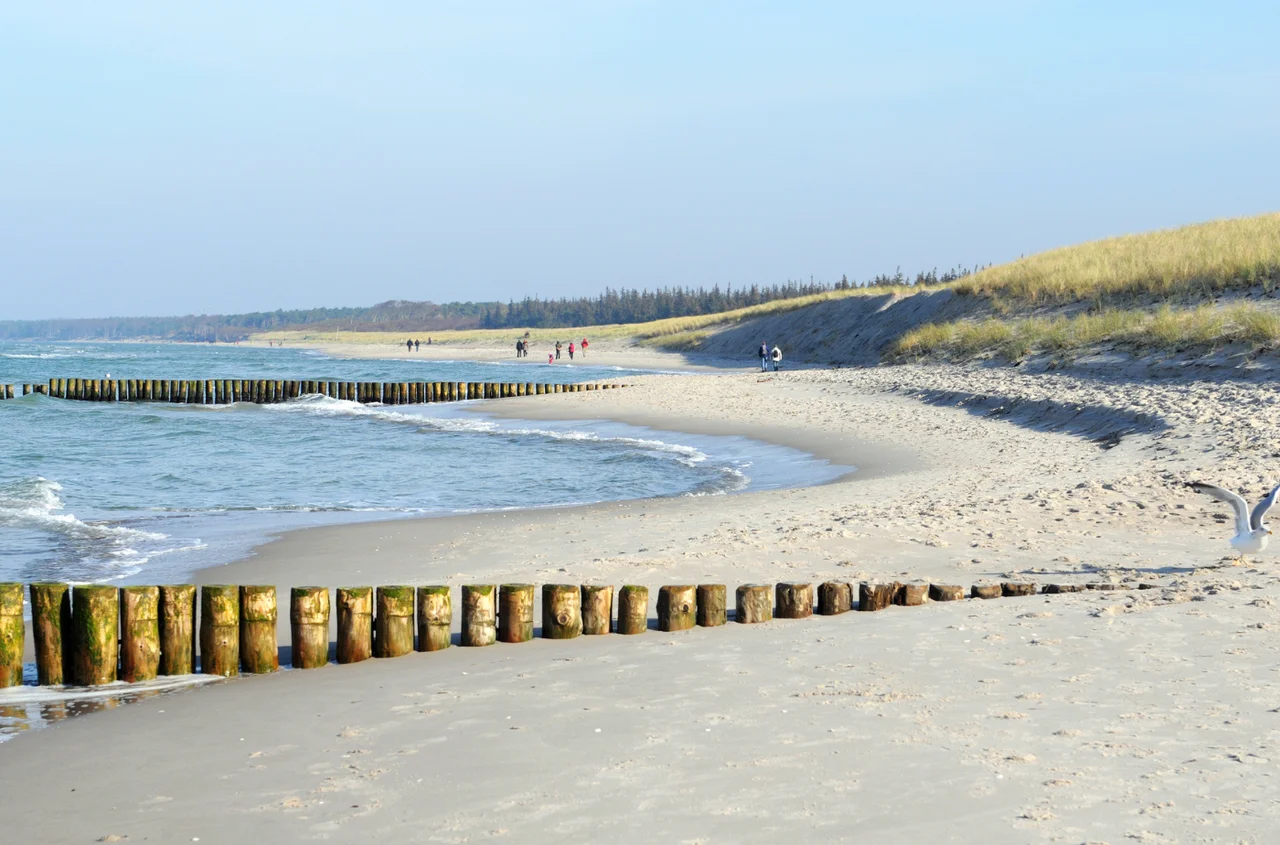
pixel 50 623
pixel 259 650
pixel 597 608
pixel 139 633
pixel 754 603
pixel 355 624
pixel 178 629
pixel 561 611
pixel 677 607
pixel 515 613
pixel 95 622
pixel 309 627
pixel 633 609
pixel 435 617
pixel 712 600
pixel 393 624
pixel 12 634
pixel 479 623
pixel 219 630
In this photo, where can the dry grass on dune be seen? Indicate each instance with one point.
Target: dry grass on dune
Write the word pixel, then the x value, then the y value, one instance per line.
pixel 1167 329
pixel 1197 260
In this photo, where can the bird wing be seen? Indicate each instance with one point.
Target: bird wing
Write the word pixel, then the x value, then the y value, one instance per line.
pixel 1239 505
pixel 1260 510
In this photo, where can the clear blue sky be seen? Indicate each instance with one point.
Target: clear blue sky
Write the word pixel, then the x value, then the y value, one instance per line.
pixel 162 158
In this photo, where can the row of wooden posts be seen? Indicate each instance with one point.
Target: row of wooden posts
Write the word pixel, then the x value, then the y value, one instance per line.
pixel 267 391
pixel 94 634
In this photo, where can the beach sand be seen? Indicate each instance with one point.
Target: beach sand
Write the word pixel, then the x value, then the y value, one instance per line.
pixel 1104 716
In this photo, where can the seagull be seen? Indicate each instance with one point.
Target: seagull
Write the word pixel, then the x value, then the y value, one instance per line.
pixel 1251 535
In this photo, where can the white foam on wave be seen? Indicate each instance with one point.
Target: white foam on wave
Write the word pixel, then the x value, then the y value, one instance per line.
pixel 34 503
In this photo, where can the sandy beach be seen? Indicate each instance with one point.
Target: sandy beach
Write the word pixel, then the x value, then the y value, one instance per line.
pixel 1127 715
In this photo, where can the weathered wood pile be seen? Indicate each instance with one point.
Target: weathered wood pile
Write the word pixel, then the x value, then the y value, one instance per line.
pixel 268 391
pixel 94 634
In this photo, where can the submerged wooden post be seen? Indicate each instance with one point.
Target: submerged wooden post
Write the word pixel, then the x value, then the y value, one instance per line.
pixel 435 617
pixel 597 608
pixel 872 597
pixel 479 624
pixel 259 650
pixel 561 611
pixel 393 624
pixel 712 602
pixel 219 629
pixel 945 592
pixel 309 627
pixel 677 607
pixel 794 600
pixel 50 623
pixel 834 597
pixel 633 609
pixel 12 635
pixel 754 603
pixel 355 624
pixel 139 633
pixel 178 629
pixel 515 613
pixel 95 621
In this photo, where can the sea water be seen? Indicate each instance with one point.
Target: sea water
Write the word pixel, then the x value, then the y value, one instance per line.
pixel 150 492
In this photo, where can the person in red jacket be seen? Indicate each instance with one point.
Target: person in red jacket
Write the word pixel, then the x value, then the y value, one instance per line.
pixel 571 350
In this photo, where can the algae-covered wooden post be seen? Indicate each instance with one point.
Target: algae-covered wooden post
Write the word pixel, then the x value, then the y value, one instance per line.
pixel 515 613
pixel 393 624
pixel 794 600
pixel 355 624
pixel 139 633
pixel 12 635
pixel 435 617
pixel 677 607
pixel 50 623
pixel 219 629
pixel 308 627
pixel 178 629
pixel 597 608
pixel 754 603
pixel 479 623
pixel 712 601
pixel 95 638
pixel 945 592
pixel 561 611
pixel 633 609
pixel 259 649
pixel 834 597
pixel 872 597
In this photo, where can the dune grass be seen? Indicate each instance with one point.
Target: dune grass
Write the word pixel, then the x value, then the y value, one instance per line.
pixel 1191 261
pixel 1165 329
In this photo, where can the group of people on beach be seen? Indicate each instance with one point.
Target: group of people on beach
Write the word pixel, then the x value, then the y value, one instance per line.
pixel 414 345
pixel 522 349
pixel 770 357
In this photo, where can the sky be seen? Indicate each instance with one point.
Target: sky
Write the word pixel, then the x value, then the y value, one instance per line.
pixel 172 158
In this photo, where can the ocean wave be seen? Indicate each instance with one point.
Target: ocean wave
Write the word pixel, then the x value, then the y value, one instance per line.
pixel 34 503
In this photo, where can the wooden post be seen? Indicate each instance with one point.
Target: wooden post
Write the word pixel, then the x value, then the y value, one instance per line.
pixel 95 622
pixel 435 617
pixel 911 595
pixel 754 603
pixel 633 609
pixel 1056 588
pixel 139 633
pixel 834 597
pixel 528 388
pixel 712 600
pixel 986 591
pixel 259 650
pixel 479 626
pixel 393 624
pixel 50 622
pixel 309 627
pixel 945 592
pixel 12 635
pixel 597 608
pixel 355 624
pixel 1011 588
pixel 178 629
pixel 515 613
pixel 677 607
pixel 219 629
pixel 794 600
pixel 873 597
pixel 561 611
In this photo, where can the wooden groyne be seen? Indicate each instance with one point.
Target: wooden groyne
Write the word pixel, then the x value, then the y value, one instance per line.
pixel 268 391
pixel 93 634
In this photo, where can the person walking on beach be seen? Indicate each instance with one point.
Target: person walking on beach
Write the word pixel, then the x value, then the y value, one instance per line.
pixel 550 358
pixel 571 350
pixel 417 344
pixel 583 348
pixel 776 355
pixel 557 350
pixel 519 348
pixel 764 356
pixel 409 345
